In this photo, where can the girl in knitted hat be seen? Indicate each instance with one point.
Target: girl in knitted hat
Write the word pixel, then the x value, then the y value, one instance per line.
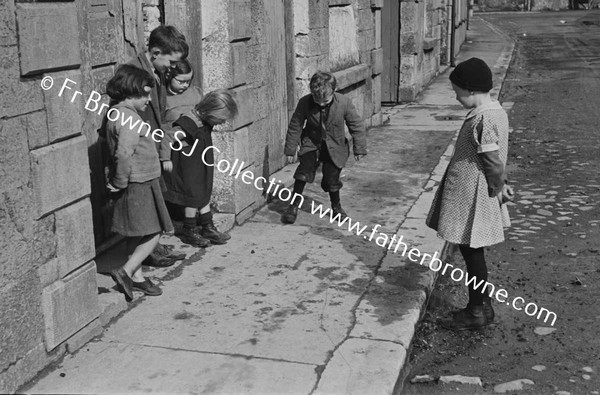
pixel 469 206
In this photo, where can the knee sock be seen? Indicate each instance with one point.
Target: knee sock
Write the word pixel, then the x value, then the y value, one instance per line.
pixel 476 267
pixel 205 219
pixel 335 198
pixel 189 222
pixel 298 189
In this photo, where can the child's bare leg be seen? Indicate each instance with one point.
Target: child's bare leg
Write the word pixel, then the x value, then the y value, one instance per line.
pixel 138 249
pixel 190 212
pixel 205 209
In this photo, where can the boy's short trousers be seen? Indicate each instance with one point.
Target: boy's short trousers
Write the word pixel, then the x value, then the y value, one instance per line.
pixel 309 163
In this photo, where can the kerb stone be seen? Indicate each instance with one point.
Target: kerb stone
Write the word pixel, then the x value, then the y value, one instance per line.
pixel 362 366
pixel 39 26
pixel 75 236
pixel 70 304
pixel 61 173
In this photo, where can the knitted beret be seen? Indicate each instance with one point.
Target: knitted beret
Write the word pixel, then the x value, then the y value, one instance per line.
pixel 472 75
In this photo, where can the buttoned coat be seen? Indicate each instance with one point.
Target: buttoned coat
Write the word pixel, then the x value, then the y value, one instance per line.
pixel 304 129
pixel 155 110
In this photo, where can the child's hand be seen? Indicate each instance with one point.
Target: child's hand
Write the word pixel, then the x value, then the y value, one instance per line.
pixel 167 165
pixel 111 188
pixel 506 195
pixel 291 159
pixel 357 157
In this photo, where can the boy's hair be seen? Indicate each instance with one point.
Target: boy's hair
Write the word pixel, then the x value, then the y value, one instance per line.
pixel 217 107
pixel 182 67
pixel 321 82
pixel 128 81
pixel 168 39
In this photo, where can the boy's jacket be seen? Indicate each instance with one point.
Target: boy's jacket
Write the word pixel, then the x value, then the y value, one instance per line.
pixel 304 129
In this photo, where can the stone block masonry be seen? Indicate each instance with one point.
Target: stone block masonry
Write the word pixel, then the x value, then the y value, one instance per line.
pixel 65 115
pixel 70 304
pixel 60 174
pixel 39 25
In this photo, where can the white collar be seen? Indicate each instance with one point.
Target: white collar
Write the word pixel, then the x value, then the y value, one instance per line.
pixel 493 105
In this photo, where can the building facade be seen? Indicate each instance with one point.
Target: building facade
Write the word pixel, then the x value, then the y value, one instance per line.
pixel 55 62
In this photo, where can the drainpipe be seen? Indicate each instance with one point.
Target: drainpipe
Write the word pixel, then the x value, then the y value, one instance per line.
pixel 452 33
pixel 470 6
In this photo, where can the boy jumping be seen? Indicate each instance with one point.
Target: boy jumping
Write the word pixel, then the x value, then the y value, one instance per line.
pixel 317 126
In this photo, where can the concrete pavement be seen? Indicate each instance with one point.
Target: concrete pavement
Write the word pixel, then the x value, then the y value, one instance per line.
pixel 309 308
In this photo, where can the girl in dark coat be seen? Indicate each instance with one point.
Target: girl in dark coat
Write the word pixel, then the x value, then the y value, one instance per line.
pixel 190 182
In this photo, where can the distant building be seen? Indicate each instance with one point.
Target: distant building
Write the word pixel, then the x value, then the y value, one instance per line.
pixel 53 207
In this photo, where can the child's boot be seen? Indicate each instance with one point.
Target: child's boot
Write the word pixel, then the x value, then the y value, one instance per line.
pixel 471 317
pixel 210 231
pixel 488 310
pixel 336 206
pixel 190 234
pixel 337 209
pixel 290 214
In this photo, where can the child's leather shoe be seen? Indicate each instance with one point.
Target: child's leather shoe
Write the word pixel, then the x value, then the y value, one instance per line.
pixel 337 209
pixel 123 281
pixel 487 310
pixel 290 214
pixel 147 287
pixel 210 232
pixel 191 236
pixel 471 317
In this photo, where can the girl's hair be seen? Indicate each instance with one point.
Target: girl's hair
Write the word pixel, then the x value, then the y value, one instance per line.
pixel 217 107
pixel 168 39
pixel 321 82
pixel 181 67
pixel 128 81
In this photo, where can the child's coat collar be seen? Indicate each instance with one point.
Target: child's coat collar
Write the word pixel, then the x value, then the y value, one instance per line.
pixel 493 105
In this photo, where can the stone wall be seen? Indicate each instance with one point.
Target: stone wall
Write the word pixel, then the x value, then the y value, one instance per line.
pixel 48 292
pixel 545 5
pixel 53 209
pixel 266 52
pixel 521 5
pixel 423 42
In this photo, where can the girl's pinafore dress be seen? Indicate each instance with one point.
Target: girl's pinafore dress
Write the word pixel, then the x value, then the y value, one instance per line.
pixel 462 211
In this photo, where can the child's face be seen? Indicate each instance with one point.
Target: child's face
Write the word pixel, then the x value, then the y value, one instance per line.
pixel 323 100
pixel 140 103
pixel 464 97
pixel 162 61
pixel 181 82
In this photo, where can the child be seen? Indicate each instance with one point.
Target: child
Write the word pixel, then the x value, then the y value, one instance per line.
pixel 317 126
pixel 166 47
pixel 139 212
pixel 468 208
pixel 190 182
pixel 181 98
